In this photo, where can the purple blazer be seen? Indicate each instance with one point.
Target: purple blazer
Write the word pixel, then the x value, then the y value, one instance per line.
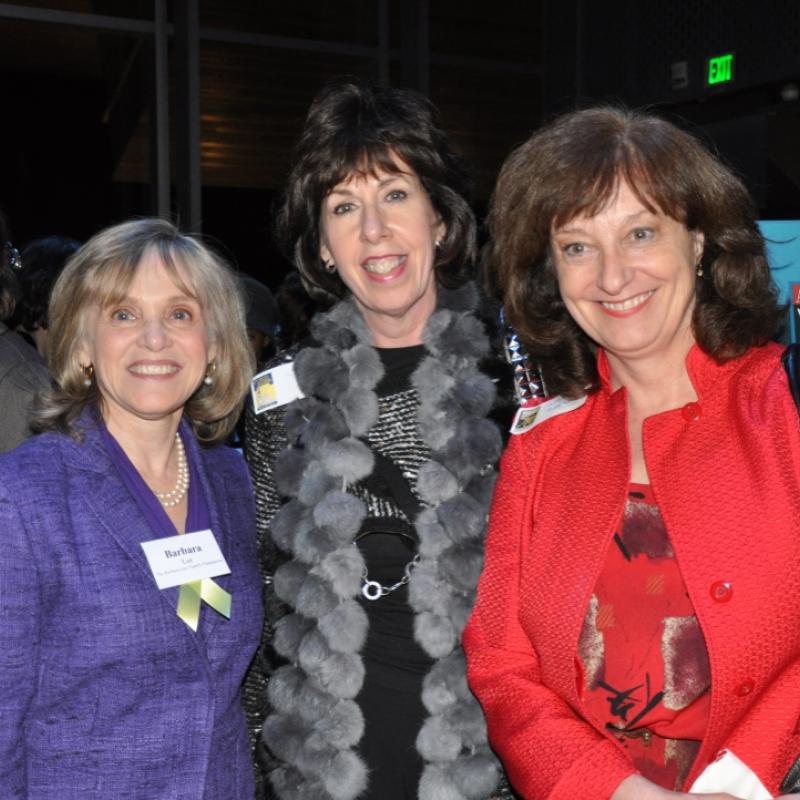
pixel 104 692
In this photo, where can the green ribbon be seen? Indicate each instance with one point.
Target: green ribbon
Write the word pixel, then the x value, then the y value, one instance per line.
pixel 191 595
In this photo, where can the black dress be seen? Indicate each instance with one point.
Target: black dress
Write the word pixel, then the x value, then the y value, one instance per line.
pixel 395 664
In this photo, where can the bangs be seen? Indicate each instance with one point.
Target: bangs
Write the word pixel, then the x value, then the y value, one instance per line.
pixel 600 182
pixel 366 160
pixel 109 282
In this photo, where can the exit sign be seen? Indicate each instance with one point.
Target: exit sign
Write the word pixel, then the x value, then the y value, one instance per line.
pixel 719 69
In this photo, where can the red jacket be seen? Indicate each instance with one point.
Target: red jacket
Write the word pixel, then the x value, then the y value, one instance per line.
pixel 724 472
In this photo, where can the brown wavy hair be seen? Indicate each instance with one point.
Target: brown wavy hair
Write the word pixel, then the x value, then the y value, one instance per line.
pixel 98 275
pixel 572 167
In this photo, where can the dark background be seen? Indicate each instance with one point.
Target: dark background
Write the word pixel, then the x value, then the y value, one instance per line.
pixel 77 125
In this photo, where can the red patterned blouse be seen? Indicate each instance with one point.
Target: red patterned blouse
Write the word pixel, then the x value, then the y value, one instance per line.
pixel 646 671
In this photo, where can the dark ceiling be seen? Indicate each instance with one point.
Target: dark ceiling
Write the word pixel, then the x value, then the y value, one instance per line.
pixel 80 153
pixel 77 140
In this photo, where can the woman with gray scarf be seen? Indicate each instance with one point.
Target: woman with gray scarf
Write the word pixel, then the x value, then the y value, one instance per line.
pixel 373 462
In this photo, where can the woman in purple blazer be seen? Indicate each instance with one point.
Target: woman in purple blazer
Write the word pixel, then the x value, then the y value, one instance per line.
pixel 122 651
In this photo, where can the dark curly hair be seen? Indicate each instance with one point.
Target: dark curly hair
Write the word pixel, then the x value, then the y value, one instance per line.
pixel 354 128
pixel 572 167
pixel 42 262
pixel 9 286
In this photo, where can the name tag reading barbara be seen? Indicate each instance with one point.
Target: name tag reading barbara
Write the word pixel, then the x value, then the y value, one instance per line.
pixel 188 557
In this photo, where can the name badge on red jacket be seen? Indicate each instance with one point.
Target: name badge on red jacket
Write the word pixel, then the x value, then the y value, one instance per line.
pixel 532 414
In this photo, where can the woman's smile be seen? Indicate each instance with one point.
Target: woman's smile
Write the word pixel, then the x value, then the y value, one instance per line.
pixel 380 267
pixel 625 308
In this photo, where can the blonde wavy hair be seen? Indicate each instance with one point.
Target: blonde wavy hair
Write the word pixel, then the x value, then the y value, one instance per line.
pixel 98 275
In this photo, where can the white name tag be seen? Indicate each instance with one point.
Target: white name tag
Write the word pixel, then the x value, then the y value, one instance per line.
pixel 184 558
pixel 274 387
pixel 531 416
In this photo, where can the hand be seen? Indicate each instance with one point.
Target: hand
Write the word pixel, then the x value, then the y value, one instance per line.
pixel 635 787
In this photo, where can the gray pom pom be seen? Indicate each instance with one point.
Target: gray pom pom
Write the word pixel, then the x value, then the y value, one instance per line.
pixel 290 692
pixel 477 776
pixel 343 568
pixel 435 634
pixel 435 483
pixel 365 365
pixel 324 423
pixel 284 735
pixel 475 393
pixel 426 591
pixel 445 684
pixel 345 627
pixel 348 459
pixel 287 521
pixel 289 467
pixel 342 674
pixel 436 784
pixel 289 632
pixel 459 609
pixel 283 688
pixel 462 518
pixel 461 566
pixel 467 720
pixel 346 776
pixel 288 579
pixel 431 385
pixel 320 373
pixel 476 444
pixel 360 409
pixel 289 784
pixel 455 337
pixel 432 537
pixel 341 514
pixel 342 725
pixel 437 741
pixel 313 651
pixel 315 598
pixel 314 484
pixel 312 544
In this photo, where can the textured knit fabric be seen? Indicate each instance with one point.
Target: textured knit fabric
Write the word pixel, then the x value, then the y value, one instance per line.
pixel 724 473
pixel 105 693
pixel 22 375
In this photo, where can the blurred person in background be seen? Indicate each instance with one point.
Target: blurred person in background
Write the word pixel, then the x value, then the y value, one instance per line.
pixel 296 309
pixel 42 263
pixel 262 318
pixel 23 373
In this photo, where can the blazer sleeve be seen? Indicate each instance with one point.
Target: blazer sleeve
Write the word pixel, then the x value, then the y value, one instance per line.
pixel 20 622
pixel 547 749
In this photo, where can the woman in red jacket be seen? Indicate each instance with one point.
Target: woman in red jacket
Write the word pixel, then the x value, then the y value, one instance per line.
pixel 637 630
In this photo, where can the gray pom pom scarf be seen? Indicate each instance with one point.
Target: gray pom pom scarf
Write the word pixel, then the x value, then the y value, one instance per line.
pixel 315 724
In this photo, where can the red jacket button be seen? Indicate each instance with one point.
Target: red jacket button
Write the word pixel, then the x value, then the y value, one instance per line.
pixel 692 412
pixel 721 591
pixel 745 687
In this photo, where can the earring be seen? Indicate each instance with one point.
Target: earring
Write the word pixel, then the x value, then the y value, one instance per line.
pixel 88 372
pixel 437 244
pixel 699 270
pixel 209 378
pixel 330 268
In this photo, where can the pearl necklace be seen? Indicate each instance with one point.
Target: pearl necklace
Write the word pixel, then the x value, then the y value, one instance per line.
pixel 173 497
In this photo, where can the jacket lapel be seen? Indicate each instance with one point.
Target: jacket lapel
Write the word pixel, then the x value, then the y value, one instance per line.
pixel 98 481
